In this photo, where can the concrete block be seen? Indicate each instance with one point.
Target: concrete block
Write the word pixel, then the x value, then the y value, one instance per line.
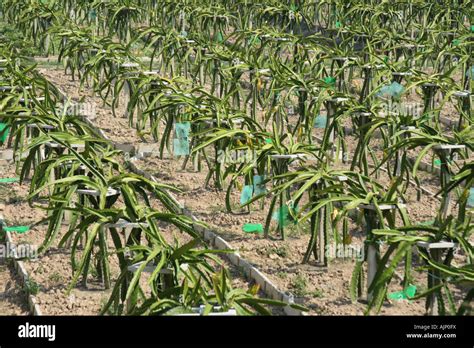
pixel 272 291
pixel 221 244
pixel 209 236
pixel 259 278
pixel 234 258
pixel 245 266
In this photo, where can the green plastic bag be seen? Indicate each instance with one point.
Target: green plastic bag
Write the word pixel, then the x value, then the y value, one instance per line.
pixel 284 215
pixel 220 37
pixel 182 130
pixel 246 194
pixel 425 117
pixel 181 147
pixel 320 122
pixel 393 90
pixel 253 228
pixel 428 223
pixel 4 130
pixel 470 200
pixel 255 41
pixel 92 15
pixel 9 180
pixel 399 295
pixel 406 294
pixel 17 229
pixel 268 141
pixel 258 186
pixel 410 291
pixel 396 89
pixel 330 80
pixel 470 73
pixel 338 24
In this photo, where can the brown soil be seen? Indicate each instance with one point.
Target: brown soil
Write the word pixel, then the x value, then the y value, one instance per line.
pixel 324 291
pixel 12 296
pixel 52 271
